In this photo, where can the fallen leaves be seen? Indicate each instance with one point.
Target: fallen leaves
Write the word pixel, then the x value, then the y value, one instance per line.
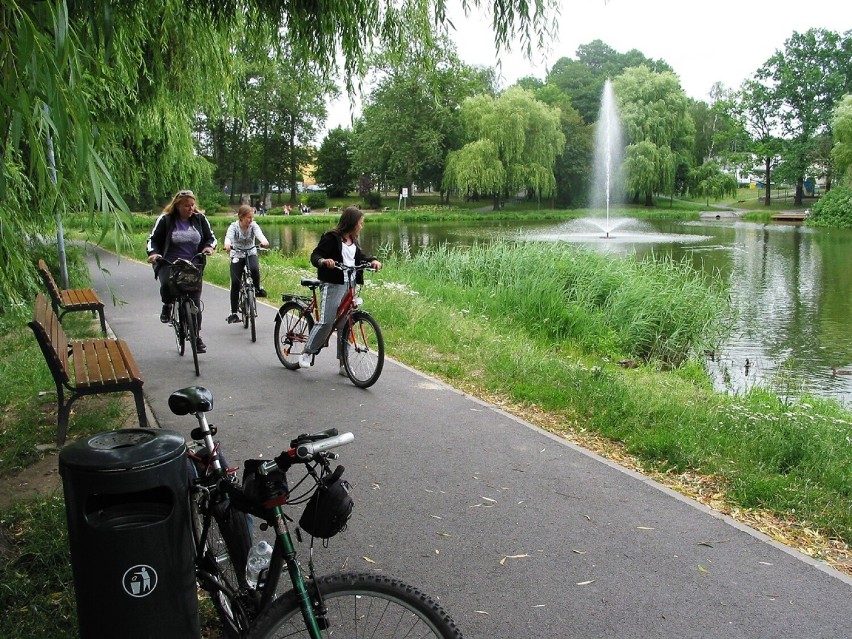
pixel 503 561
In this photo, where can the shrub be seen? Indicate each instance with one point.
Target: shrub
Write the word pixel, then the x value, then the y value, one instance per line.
pixel 315 200
pixel 373 200
pixel 834 209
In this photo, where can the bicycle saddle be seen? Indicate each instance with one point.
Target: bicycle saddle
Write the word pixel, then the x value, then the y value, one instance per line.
pixel 192 399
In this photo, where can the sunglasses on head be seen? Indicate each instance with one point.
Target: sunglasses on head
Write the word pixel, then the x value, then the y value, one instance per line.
pixel 185 194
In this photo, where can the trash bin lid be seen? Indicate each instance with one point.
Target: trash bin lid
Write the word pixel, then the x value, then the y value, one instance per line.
pixel 123 449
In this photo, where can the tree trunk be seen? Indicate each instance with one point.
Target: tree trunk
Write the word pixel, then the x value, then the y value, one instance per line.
pixel 649 199
pixel 497 201
pixel 291 148
pixel 800 191
pixel 767 197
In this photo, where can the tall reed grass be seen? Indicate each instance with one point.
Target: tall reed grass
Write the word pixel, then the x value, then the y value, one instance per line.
pixel 618 307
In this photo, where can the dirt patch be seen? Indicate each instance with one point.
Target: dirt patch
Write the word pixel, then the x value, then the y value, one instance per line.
pixel 40 479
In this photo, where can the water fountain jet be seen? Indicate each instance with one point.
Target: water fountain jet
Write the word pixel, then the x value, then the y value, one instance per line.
pixel 608 155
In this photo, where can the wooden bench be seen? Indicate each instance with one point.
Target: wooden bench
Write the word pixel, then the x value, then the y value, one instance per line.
pixel 71 299
pixel 84 367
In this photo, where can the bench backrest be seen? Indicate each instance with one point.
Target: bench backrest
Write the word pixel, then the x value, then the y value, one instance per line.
pixel 50 284
pixel 51 338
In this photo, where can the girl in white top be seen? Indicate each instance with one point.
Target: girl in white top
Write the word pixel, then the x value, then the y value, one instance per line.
pixel 241 240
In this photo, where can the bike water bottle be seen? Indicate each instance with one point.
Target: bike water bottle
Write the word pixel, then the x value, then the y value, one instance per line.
pixel 258 561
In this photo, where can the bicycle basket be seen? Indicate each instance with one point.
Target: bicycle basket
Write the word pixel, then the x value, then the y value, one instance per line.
pixel 184 277
pixel 329 508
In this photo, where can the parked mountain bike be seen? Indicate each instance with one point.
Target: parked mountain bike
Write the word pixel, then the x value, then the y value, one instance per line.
pixel 338 605
pixel 247 305
pixel 185 279
pixel 362 344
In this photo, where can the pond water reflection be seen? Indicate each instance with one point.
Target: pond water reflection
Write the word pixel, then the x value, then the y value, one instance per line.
pixel 791 285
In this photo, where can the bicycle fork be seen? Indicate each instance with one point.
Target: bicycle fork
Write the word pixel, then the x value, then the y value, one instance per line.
pixel 313 609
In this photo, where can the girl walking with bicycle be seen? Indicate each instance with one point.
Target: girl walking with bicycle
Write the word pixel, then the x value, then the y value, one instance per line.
pixel 181 231
pixel 243 235
pixel 339 245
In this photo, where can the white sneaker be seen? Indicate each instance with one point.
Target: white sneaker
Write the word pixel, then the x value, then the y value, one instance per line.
pixel 305 360
pixel 342 371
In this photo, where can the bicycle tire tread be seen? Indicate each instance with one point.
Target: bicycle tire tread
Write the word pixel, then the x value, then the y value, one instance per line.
pixel 287 605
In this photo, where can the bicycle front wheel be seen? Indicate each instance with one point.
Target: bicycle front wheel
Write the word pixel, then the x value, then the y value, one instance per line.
pixel 251 312
pixel 292 328
pixel 191 331
pixel 178 325
pixel 361 605
pixel 364 350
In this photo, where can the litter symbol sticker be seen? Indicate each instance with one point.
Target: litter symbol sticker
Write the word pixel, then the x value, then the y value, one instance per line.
pixel 139 581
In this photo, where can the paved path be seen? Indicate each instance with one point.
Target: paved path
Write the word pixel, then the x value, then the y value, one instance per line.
pixel 519 533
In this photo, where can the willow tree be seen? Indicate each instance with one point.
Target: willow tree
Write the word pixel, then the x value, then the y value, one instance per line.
pixel 91 89
pixel 842 151
pixel 658 128
pixel 514 141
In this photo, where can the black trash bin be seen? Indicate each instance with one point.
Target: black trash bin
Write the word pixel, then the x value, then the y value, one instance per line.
pixel 130 536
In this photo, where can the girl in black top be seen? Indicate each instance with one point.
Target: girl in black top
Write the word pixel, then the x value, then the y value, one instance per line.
pixel 340 244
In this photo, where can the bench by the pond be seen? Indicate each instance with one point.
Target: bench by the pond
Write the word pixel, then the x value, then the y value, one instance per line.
pixel 71 299
pixel 84 367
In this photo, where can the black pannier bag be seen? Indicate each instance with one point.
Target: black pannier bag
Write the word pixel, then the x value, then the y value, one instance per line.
pixel 329 508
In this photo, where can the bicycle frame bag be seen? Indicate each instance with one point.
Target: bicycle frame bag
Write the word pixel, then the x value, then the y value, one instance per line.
pixel 184 277
pixel 329 508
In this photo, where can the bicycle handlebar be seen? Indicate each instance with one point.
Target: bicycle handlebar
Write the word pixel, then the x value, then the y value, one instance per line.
pixel 363 266
pixel 242 250
pixel 307 451
pixel 172 263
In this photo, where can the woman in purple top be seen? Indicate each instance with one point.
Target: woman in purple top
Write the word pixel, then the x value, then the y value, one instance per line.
pixel 181 231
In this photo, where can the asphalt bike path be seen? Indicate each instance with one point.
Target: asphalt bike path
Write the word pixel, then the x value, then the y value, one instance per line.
pixel 518 533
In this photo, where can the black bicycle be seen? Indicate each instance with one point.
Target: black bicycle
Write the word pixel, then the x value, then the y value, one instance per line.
pixel 339 605
pixel 247 305
pixel 185 278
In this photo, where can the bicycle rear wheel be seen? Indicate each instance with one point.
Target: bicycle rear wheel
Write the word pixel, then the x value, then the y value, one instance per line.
pixel 361 605
pixel 292 328
pixel 191 331
pixel 222 559
pixel 364 350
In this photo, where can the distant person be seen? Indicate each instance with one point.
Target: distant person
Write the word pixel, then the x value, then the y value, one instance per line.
pixel 261 209
pixel 244 234
pixel 181 231
pixel 288 208
pixel 339 244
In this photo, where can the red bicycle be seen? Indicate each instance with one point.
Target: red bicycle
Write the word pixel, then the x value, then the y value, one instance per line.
pixel 362 344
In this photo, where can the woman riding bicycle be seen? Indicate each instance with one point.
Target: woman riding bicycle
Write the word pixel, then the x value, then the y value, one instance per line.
pixel 180 232
pixel 242 235
pixel 339 245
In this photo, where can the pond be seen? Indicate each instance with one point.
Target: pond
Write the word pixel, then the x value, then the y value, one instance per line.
pixel 791 285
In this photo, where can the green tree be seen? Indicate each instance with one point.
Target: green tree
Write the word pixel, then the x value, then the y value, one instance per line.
pixel 709 181
pixel 514 143
pixel 808 79
pixel 842 151
pixel 410 121
pixel 757 108
pixel 582 80
pixel 658 129
pixel 334 163
pixel 573 164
